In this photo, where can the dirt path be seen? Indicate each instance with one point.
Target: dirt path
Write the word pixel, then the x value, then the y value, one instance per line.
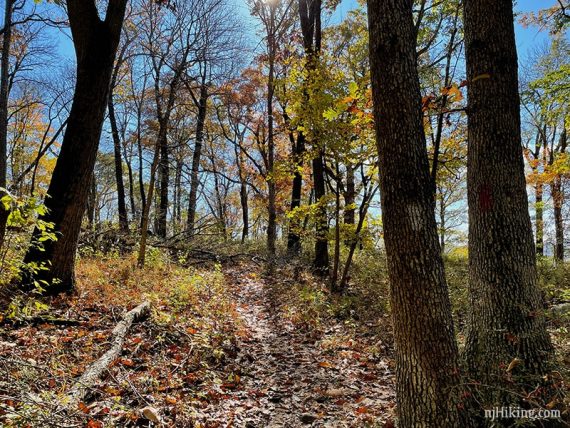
pixel 295 378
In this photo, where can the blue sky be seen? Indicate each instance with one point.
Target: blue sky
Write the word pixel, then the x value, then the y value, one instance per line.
pixel 527 38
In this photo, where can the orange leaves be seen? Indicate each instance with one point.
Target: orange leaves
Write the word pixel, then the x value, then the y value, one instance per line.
pixel 326 365
pixel 449 95
pixel 453 92
pixel 84 408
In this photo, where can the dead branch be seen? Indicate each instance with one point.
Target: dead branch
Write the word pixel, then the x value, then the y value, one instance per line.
pixel 93 372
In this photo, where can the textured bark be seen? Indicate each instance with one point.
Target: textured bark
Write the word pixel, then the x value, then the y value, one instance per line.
pixel 95 43
pixel 426 351
pixel 194 178
pixel 442 223
pixel 4 93
pixel 505 321
pixel 91 202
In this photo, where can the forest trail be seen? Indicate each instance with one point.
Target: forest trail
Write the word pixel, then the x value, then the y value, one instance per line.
pixel 292 377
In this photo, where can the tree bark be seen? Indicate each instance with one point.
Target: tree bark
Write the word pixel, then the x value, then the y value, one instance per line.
pixel 163 172
pixel 271 189
pixel 293 237
pixel 349 196
pixel 82 386
pixel 426 351
pixel 539 218
pixel 242 193
pixel 123 218
pixel 4 94
pixel 310 18
pixel 505 319
pixel 558 199
pixel 91 202
pixel 321 260
pixel 194 174
pixel 95 43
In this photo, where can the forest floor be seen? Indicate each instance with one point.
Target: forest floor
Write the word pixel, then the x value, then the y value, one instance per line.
pixel 224 347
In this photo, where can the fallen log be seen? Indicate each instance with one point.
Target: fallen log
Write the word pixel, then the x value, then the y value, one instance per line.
pixel 94 371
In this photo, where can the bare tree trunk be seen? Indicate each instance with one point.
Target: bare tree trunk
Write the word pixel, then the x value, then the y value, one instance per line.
pixel 141 168
pixel 505 320
pixel 131 188
pixel 4 94
pixel 96 43
pixel 293 237
pixel 558 199
pixel 177 211
pixel 163 171
pixel 539 218
pixel 146 207
pixel 349 196
pixel 194 174
pixel 123 219
pixel 242 194
pixel 427 368
pixel 271 209
pixel 321 260
pixel 363 210
pixel 336 257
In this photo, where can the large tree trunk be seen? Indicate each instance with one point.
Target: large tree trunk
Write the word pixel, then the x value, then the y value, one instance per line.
pixel 4 94
pixel 505 320
pixel 194 174
pixel 91 203
pixel 426 352
pixel 95 44
pixel 123 219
